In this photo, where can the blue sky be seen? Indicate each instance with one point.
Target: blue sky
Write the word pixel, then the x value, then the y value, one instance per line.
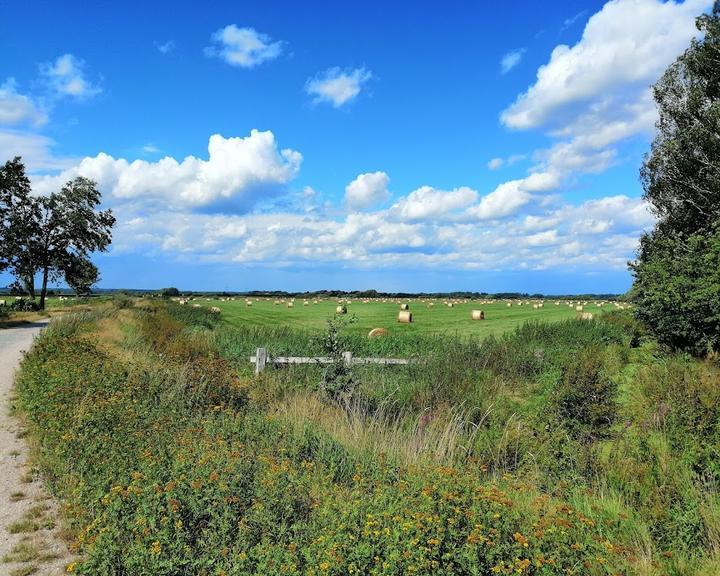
pixel 397 146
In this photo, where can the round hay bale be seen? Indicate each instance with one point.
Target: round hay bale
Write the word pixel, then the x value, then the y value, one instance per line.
pixel 341 310
pixel 404 306
pixel 578 308
pixel 585 316
pixel 290 304
pixel 215 310
pixel 509 304
pixel 405 316
pixel 248 303
pixel 478 315
pixel 450 305
pixel 377 333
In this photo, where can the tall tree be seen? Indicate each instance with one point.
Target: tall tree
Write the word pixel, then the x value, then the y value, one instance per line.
pixel 676 269
pixel 19 226
pixel 681 175
pixel 53 235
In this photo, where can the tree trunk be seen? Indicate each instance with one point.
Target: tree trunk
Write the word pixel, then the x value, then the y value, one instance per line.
pixel 44 288
pixel 30 287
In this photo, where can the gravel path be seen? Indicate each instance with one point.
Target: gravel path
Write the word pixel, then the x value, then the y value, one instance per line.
pixel 29 539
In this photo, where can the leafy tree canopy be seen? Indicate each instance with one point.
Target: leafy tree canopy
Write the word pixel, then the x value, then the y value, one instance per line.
pixel 50 235
pixel 677 272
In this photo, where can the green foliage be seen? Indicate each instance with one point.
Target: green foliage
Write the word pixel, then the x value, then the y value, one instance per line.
pixel 167 467
pixel 677 290
pixel 585 398
pixel 169 463
pixel 191 316
pixel 681 174
pixel 50 235
pixel 338 381
pixel 169 292
pixel 677 282
pixel 24 305
pixel 80 274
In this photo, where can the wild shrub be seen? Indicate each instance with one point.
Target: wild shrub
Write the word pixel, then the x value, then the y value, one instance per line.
pixel 585 398
pixel 338 382
pixel 25 305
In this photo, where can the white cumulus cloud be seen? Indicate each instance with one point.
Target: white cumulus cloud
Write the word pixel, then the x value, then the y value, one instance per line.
pixel 36 150
pixel 627 44
pixel 337 86
pixel 430 203
pixel 244 47
pixel 66 77
pixel 367 190
pixel 16 108
pixel 238 173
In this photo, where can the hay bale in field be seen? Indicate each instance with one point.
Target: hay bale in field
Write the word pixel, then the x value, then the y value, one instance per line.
pixel 509 304
pixel 450 305
pixel 405 316
pixel 578 308
pixel 306 303
pixel 377 333
pixel 196 306
pixel 214 309
pixel 341 310
pixel 404 306
pixel 585 316
pixel 478 315
pixel 431 304
pixel 290 304
pixel 248 303
pixel 535 306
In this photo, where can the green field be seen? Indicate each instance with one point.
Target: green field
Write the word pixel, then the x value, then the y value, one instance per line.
pixel 439 318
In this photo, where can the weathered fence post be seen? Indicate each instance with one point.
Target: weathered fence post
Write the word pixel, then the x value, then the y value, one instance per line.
pixel 260 360
pixel 347 358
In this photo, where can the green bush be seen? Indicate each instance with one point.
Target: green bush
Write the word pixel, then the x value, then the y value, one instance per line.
pixel 585 398
pixel 677 290
pixel 25 305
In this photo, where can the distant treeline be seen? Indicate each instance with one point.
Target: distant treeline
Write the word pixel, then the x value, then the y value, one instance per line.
pixel 333 294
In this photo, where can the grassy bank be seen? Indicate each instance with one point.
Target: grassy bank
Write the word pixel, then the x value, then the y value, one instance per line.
pixel 559 448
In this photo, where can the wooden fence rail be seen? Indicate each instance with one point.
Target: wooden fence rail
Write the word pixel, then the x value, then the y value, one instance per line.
pixel 262 359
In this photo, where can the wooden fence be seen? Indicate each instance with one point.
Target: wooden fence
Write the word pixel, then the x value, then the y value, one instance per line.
pixel 262 359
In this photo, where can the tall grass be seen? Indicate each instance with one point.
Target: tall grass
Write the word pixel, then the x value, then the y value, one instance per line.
pixel 555 449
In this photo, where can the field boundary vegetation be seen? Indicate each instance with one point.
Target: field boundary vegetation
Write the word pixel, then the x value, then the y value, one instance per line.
pixel 558 448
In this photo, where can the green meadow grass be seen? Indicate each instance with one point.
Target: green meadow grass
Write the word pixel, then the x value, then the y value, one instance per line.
pixel 499 318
